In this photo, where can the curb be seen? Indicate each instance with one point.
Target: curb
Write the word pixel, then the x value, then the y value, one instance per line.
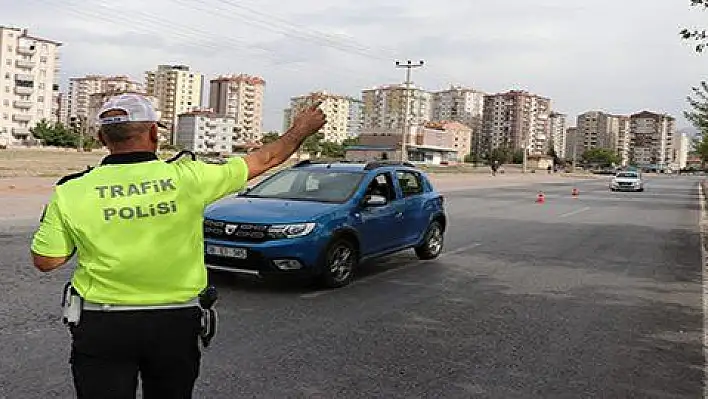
pixel 703 234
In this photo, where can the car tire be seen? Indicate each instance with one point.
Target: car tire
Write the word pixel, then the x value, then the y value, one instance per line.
pixel 432 243
pixel 336 275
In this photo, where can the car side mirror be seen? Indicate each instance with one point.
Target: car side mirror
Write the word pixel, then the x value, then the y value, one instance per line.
pixel 375 200
pixel 245 191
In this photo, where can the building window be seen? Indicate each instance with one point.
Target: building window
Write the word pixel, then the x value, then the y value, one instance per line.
pixel 8 62
pixel 40 99
pixel 43 60
pixel 9 49
pixel 6 103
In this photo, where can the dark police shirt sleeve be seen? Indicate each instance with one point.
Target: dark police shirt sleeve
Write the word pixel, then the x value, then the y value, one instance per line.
pixel 215 181
pixel 53 238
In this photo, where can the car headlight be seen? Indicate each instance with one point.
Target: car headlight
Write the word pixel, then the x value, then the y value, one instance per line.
pixel 291 230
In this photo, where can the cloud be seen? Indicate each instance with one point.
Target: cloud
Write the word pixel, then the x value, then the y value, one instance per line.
pixel 622 56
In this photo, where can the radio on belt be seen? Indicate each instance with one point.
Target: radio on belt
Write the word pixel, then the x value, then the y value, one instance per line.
pixel 72 303
pixel 207 298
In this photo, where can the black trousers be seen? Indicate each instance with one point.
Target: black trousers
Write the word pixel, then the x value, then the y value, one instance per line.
pixel 110 349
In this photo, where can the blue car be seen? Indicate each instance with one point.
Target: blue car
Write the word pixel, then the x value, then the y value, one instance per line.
pixel 322 219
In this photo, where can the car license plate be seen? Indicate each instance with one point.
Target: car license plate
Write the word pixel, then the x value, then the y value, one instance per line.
pixel 229 252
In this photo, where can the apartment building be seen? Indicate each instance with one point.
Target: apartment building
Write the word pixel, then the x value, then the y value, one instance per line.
pixel 654 142
pixel 516 120
pixel 81 89
pixel 573 142
pixel 240 97
pixel 337 110
pixel 599 129
pixel 177 89
pixel 448 134
pixel 557 133
pixel 206 132
pixel 29 85
pixel 356 118
pixel 385 106
pixel 458 104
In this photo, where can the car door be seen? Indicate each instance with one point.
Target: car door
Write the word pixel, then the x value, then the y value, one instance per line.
pixel 379 226
pixel 415 220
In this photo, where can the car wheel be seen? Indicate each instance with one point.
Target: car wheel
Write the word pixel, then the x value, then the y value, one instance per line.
pixel 340 261
pixel 433 243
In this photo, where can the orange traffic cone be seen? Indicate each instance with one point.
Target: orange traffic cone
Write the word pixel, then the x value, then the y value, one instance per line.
pixel 575 192
pixel 540 199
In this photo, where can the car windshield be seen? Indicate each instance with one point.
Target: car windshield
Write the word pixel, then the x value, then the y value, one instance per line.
pixel 308 185
pixel 629 175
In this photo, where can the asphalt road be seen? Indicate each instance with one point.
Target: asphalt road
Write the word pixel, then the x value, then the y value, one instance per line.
pixel 595 297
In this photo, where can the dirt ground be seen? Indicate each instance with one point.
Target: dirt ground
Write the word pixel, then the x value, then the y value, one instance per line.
pixel 27 177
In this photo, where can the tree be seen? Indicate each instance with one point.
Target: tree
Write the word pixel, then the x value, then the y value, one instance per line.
pixel 56 135
pixel 698 116
pixel 601 157
pixel 698 35
pixel 313 144
pixel 350 141
pixel 700 148
pixel 270 137
pixel 332 150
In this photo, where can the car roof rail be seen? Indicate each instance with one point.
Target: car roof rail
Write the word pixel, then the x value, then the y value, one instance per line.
pixel 382 163
pixel 325 161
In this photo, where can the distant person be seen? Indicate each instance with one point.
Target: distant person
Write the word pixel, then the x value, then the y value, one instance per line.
pixel 136 297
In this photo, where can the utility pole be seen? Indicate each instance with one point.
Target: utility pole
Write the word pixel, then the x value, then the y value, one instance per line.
pixel 408 65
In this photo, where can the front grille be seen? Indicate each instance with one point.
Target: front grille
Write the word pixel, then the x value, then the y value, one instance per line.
pixel 237 232
pixel 623 183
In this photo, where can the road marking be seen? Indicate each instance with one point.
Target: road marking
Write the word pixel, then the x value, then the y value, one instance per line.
pixel 703 229
pixel 460 250
pixel 575 212
pixel 375 276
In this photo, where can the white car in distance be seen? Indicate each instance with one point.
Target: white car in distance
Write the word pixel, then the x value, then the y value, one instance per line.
pixel 627 181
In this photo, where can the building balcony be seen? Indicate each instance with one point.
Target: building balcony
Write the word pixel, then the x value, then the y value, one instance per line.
pixel 25 64
pixel 22 104
pixel 22 117
pixel 24 77
pixel 26 50
pixel 20 131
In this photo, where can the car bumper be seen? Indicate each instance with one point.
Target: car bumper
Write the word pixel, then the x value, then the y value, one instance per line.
pixel 626 188
pixel 263 258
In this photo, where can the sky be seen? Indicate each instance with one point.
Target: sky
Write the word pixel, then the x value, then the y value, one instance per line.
pixel 620 56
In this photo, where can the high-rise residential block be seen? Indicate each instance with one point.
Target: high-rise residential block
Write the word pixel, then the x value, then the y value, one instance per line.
pixel 385 107
pixel 599 129
pixel 573 144
pixel 240 97
pixel 653 140
pixel 356 117
pixel 205 132
pixel 464 105
pixel 177 89
pixel 337 110
pixel 458 104
pixel 29 84
pixel 557 128
pixel 81 89
pixel 516 120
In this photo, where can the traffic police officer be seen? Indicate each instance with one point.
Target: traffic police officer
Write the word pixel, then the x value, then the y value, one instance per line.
pixel 135 224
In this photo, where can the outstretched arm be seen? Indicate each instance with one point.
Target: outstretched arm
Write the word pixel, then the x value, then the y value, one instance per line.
pixel 273 154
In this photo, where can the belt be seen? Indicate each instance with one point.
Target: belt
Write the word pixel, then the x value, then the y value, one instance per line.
pixel 104 307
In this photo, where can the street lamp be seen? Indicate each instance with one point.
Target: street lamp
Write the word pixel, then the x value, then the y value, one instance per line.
pixel 408 65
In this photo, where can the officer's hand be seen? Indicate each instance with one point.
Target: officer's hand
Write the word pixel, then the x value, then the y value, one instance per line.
pixel 310 121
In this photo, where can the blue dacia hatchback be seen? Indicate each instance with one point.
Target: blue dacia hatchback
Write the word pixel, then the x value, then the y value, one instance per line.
pixel 323 218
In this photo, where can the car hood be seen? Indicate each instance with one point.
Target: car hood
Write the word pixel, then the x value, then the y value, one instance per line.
pixel 266 210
